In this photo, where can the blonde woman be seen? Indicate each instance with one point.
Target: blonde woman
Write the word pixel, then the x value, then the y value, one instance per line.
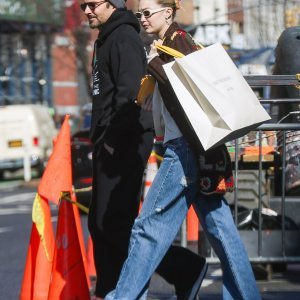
pixel 187 176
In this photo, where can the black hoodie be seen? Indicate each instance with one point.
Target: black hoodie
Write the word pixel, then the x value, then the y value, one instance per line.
pixel 118 65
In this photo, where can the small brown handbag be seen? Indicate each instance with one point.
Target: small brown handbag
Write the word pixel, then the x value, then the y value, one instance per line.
pixel 147 88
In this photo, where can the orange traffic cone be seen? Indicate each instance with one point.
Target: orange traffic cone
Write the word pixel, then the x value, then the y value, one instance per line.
pixel 192 225
pixel 57 176
pixel 141 204
pixel 68 273
pixel 81 239
pixel 37 274
pixel 90 258
pixel 150 173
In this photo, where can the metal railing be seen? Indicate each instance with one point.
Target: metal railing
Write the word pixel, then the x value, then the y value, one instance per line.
pixel 258 239
pixel 259 257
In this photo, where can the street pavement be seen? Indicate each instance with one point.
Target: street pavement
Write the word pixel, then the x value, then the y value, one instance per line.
pixel 282 285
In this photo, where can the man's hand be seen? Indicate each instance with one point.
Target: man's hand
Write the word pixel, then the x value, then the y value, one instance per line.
pixel 109 149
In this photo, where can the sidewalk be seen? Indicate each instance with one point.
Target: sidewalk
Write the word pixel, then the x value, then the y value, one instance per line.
pixel 282 286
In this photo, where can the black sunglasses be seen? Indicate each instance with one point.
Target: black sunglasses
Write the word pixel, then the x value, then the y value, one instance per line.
pixel 147 13
pixel 92 5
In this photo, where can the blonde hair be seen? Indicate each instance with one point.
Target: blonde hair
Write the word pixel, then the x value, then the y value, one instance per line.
pixel 174 4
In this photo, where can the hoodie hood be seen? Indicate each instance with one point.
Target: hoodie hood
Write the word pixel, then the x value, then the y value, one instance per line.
pixel 117 3
pixel 119 17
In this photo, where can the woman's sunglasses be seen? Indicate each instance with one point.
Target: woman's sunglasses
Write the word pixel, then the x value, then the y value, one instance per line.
pixel 147 13
pixel 92 5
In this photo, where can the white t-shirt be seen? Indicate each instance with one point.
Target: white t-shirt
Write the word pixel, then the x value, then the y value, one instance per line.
pixel 164 124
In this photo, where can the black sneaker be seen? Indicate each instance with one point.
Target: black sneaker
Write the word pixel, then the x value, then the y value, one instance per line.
pixel 191 294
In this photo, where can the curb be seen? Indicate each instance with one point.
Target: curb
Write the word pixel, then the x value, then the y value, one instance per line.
pixel 32 183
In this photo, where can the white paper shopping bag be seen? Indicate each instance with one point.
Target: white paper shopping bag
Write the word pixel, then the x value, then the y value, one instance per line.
pixel 216 98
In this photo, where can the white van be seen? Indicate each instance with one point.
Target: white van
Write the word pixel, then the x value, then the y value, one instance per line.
pixel 25 130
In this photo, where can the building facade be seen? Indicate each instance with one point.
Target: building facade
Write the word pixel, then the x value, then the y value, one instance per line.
pixel 46 45
pixel 26 29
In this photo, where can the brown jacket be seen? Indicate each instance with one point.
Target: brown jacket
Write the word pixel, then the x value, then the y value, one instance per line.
pixel 215 164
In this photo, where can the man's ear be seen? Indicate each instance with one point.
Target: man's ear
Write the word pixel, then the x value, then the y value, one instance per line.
pixel 109 5
pixel 169 12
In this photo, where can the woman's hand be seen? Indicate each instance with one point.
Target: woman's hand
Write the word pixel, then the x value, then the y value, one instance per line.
pixel 153 50
pixel 159 41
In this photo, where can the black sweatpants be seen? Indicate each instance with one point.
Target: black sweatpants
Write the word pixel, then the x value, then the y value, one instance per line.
pixel 117 181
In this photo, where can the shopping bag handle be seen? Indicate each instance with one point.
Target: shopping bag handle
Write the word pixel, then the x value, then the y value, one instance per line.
pixel 172 51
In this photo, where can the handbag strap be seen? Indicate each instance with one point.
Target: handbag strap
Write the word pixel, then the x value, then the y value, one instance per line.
pixel 172 51
pixel 169 51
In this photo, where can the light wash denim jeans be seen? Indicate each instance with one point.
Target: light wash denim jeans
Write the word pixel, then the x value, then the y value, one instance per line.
pixel 173 190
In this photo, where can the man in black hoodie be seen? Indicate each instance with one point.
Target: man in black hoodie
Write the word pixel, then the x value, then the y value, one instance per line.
pixel 122 134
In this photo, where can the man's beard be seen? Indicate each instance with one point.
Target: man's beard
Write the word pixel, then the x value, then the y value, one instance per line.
pixel 92 26
pixel 95 25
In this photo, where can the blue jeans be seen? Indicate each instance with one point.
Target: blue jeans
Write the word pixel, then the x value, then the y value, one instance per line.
pixel 173 191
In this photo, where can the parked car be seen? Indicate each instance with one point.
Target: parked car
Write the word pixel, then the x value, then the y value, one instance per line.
pixel 26 129
pixel 82 151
